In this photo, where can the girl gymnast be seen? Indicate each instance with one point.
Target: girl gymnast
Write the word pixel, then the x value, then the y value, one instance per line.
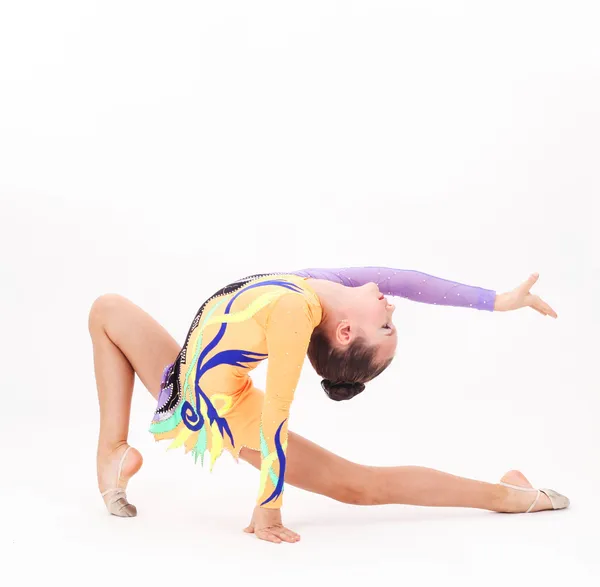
pixel 207 402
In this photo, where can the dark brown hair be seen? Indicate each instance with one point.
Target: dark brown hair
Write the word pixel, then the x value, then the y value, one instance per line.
pixel 344 371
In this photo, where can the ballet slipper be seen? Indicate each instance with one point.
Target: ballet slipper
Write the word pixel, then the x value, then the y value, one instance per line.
pixel 557 500
pixel 117 503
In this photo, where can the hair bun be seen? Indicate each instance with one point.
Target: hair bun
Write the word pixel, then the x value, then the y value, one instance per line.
pixel 343 390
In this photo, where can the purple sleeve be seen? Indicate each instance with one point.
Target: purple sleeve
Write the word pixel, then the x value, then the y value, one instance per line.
pixel 413 285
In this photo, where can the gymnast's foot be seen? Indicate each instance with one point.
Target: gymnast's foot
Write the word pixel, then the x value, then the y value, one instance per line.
pixel 115 468
pixel 520 501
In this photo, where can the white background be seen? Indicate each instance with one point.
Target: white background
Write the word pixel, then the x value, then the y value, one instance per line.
pixel 161 150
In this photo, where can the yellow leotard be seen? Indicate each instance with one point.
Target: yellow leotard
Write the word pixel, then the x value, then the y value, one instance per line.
pixel 208 401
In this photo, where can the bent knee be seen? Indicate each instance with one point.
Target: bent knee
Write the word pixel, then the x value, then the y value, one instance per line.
pixel 102 307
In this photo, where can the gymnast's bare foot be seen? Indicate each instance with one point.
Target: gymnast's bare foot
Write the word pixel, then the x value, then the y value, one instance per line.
pixel 519 501
pixel 115 467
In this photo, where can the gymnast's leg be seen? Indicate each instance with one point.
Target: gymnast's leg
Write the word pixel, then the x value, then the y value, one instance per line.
pixel 315 469
pixel 126 341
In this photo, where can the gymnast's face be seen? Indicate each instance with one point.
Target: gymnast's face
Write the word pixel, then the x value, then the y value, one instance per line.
pixel 369 314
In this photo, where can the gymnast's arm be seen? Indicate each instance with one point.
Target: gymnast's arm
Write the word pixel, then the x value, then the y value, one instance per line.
pixel 288 328
pixel 413 285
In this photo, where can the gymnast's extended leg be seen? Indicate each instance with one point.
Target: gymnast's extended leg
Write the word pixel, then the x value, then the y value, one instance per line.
pixel 315 469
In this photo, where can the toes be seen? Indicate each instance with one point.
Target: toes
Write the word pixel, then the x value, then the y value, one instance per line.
pixel 122 508
pixel 128 511
pixel 556 500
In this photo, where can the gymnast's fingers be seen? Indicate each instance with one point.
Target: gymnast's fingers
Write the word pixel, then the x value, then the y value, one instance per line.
pixel 288 535
pixel 541 306
pixel 267 535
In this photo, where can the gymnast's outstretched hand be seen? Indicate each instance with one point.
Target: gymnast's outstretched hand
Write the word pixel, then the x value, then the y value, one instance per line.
pixel 266 525
pixel 520 297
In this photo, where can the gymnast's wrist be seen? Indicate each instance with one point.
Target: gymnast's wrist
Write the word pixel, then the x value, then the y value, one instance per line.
pixel 268 506
pixel 500 302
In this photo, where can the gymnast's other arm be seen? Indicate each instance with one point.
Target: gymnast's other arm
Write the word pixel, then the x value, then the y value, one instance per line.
pixel 288 330
pixel 422 287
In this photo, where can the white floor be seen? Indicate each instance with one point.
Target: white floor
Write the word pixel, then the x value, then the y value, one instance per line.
pixel 189 528
pixel 58 534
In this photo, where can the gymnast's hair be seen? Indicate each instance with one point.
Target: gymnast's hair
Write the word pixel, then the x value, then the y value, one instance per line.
pixel 344 371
